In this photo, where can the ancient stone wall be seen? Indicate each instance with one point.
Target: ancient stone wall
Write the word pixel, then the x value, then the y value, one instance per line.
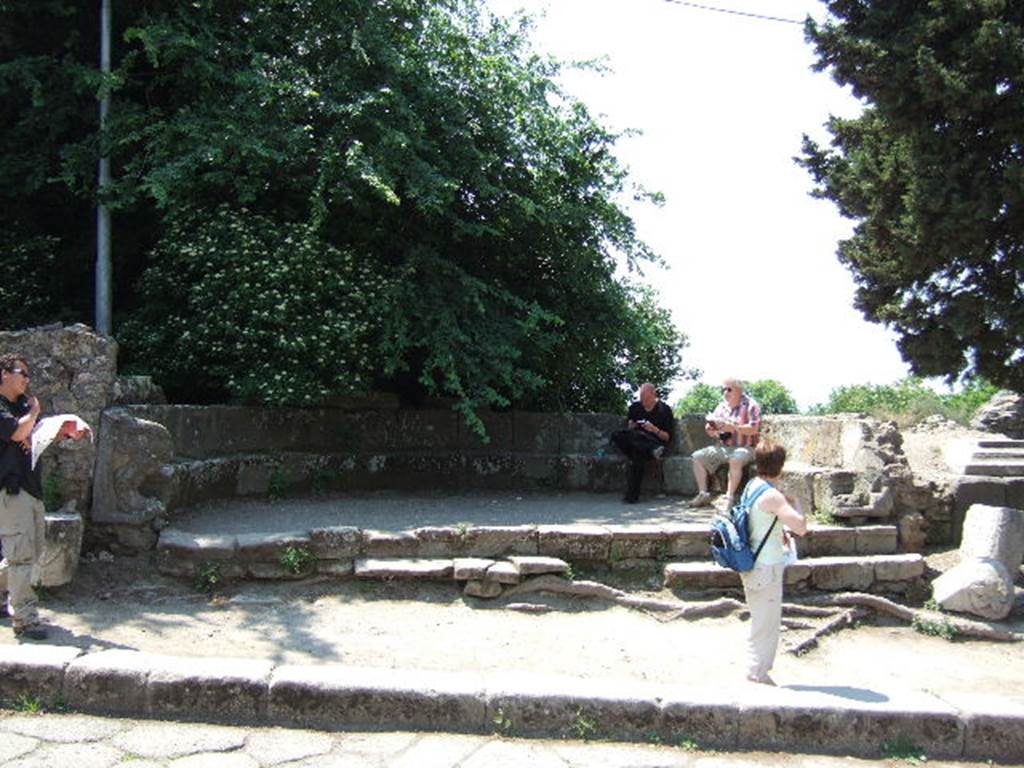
pixel 73 371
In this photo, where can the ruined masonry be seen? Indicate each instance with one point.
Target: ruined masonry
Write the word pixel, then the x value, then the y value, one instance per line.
pixel 152 463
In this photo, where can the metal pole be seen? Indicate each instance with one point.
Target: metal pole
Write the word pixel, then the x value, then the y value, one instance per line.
pixel 103 298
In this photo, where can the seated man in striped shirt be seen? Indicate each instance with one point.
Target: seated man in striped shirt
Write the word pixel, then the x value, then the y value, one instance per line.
pixel 735 425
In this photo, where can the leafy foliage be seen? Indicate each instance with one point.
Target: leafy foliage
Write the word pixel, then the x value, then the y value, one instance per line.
pixel 909 400
pixel 933 172
pixel 239 304
pixel 316 197
pixel 772 396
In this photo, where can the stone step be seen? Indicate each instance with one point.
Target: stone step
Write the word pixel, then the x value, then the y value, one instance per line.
pixel 988 454
pixel 996 468
pixel 336 550
pixel 872 573
pixel 1000 443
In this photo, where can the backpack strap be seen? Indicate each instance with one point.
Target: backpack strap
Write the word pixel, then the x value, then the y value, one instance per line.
pixel 750 503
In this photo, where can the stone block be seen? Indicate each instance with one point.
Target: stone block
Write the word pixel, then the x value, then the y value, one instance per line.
pixel 840 573
pixel 500 541
pixel 390 544
pixel 130 453
pixel 703 716
pixel 574 542
pixel 797 574
pixel 269 547
pixel 482 589
pixel 979 490
pixel 108 681
pixel 179 553
pixel 336 567
pixel 798 481
pixel 700 576
pixel 898 567
pixel 994 532
pixel 471 568
pixel 62 547
pixel 813 721
pixel 994 726
pixel 537 433
pixel 531 565
pixel 828 541
pixel 389 699
pixel 218 688
pixel 503 572
pixel 438 541
pixel 403 568
pixel 678 474
pixel 877 540
pixel 981 587
pixel 638 541
pixel 688 539
pixel 33 670
pixel 555 707
pixel 585 433
pixel 1015 492
pixel 500 429
pixel 278 571
pixel 336 542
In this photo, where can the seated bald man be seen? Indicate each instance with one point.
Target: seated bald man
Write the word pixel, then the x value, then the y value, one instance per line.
pixel 649 427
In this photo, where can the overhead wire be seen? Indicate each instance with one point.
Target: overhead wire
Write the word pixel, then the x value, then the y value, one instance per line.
pixel 733 11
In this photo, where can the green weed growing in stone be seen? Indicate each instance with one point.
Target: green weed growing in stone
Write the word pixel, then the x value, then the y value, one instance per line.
pixel 323 479
pixel 688 745
pixel 931 605
pixel 28 704
pixel 208 577
pixel 296 559
pixel 617 552
pixel 823 514
pixel 902 748
pixel 276 482
pixel 502 723
pixel 943 628
pixel 583 727
pixel 53 494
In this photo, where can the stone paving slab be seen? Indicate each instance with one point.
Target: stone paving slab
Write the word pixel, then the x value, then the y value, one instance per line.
pixel 844 720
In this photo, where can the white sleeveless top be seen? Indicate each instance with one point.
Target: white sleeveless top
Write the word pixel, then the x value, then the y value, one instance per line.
pixel 774 551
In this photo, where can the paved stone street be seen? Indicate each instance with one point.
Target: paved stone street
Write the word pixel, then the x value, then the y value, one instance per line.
pixel 79 741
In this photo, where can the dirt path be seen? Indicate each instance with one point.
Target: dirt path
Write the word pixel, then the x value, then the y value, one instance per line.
pixel 126 604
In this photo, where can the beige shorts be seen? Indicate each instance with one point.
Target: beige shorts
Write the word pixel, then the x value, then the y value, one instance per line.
pixel 715 456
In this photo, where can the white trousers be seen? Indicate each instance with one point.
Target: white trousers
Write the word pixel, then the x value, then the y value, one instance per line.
pixel 23 530
pixel 763 589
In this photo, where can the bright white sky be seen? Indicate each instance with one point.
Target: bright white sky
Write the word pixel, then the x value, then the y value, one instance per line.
pixel 722 101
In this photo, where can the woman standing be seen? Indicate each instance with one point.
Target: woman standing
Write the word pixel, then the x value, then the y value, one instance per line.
pixel 763 585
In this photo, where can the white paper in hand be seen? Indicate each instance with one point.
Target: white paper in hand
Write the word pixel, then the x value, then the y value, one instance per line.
pixel 48 428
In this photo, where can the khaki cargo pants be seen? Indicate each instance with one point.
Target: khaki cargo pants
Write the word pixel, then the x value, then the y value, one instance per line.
pixel 23 531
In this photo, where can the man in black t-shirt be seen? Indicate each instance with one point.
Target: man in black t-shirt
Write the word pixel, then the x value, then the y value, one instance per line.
pixel 22 521
pixel 649 427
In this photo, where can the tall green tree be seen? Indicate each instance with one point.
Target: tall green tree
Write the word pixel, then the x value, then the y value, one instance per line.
pixel 461 213
pixel 933 174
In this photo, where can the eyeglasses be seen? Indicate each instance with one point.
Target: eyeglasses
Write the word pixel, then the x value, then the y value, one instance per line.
pixel 22 371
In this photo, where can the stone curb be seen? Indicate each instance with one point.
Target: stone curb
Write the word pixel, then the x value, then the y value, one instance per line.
pixel 813 719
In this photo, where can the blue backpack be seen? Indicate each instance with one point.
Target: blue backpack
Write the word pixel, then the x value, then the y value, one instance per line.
pixel 730 536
